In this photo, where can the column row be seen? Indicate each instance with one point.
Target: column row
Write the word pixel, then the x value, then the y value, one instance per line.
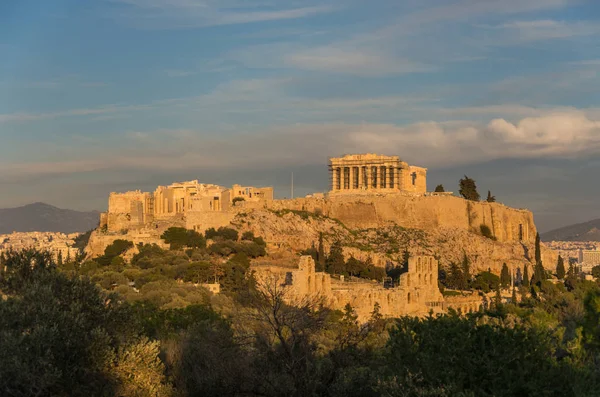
pixel 365 177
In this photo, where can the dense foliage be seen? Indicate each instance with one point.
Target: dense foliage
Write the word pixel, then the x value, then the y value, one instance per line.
pixel 61 334
pixel 468 189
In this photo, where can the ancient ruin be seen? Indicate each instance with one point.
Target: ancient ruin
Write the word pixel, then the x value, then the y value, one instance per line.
pixel 369 194
pixel 368 173
pixel 417 293
pixel 190 202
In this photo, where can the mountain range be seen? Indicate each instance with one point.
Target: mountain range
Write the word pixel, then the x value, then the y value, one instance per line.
pixel 41 217
pixel 586 231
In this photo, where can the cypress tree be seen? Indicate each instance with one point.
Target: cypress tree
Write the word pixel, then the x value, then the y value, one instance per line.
pixel 59 258
pixel 456 278
pixel 526 276
pixel 335 261
pixel 560 268
pixel 514 296
pixel 466 270
pixel 538 251
pixel 321 259
pixel 490 198
pixel 505 276
pixel 405 258
pixel 439 189
pixel 539 274
pixel 468 189
pixel 498 297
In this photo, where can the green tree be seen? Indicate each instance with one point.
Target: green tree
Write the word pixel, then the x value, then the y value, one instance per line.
pixel 466 269
pixel 560 268
pixel 596 271
pixel 468 189
pixel 195 240
pixel 335 260
pixel 456 278
pixel 117 248
pixel 526 278
pixel 248 236
pixel 354 267
pixel 415 347
pixel 224 233
pixel 486 231
pixel 497 298
pixel 538 249
pixel 60 336
pixel 513 298
pixel 439 189
pixel 490 198
pixel 179 237
pixel 321 259
pixel 485 281
pixel 505 276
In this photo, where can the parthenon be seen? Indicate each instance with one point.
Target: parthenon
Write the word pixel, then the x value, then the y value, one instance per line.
pixel 356 173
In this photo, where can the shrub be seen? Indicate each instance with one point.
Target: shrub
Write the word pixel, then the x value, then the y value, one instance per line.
pixel 225 233
pixel 486 232
pixel 179 237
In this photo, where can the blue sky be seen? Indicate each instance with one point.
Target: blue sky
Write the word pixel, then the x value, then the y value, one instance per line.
pixel 106 95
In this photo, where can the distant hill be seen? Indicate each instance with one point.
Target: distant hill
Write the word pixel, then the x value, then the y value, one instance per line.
pixel 587 231
pixel 41 217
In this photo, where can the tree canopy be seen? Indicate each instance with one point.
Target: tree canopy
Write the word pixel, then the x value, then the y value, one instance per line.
pixel 468 189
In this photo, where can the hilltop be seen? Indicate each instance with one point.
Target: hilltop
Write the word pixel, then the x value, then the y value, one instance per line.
pixel 586 231
pixel 41 217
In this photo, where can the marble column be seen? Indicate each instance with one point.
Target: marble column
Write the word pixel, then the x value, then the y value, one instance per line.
pixel 351 179
pixel 387 176
pixel 360 177
pixel 334 178
pixel 378 177
pixel 342 178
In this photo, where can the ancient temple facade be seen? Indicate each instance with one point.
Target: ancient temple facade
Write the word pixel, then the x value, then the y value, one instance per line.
pixel 374 173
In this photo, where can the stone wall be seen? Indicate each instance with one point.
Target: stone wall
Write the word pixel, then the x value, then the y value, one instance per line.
pixel 421 212
pixel 98 242
pixel 200 220
pixel 417 294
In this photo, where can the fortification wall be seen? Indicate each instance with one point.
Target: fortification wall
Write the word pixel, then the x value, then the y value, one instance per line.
pixel 202 220
pixel 98 242
pixel 420 212
pixel 416 295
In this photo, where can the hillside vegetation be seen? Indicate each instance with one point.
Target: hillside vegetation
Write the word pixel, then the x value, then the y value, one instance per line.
pixel 62 334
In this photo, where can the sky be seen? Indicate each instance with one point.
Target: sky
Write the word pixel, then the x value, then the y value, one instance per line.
pixel 115 95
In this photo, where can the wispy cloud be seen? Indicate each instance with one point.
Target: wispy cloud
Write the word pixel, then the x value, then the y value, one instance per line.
pixel 366 63
pixel 179 73
pixel 177 14
pixel 523 31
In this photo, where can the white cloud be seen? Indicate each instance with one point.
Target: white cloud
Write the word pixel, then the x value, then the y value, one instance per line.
pixel 569 134
pixel 359 62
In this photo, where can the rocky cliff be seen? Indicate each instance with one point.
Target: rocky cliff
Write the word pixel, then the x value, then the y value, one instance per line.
pixel 292 231
pixel 381 228
pixel 427 212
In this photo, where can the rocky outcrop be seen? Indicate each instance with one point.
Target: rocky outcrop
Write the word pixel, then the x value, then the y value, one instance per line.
pixel 379 228
pixel 426 212
pixel 294 231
